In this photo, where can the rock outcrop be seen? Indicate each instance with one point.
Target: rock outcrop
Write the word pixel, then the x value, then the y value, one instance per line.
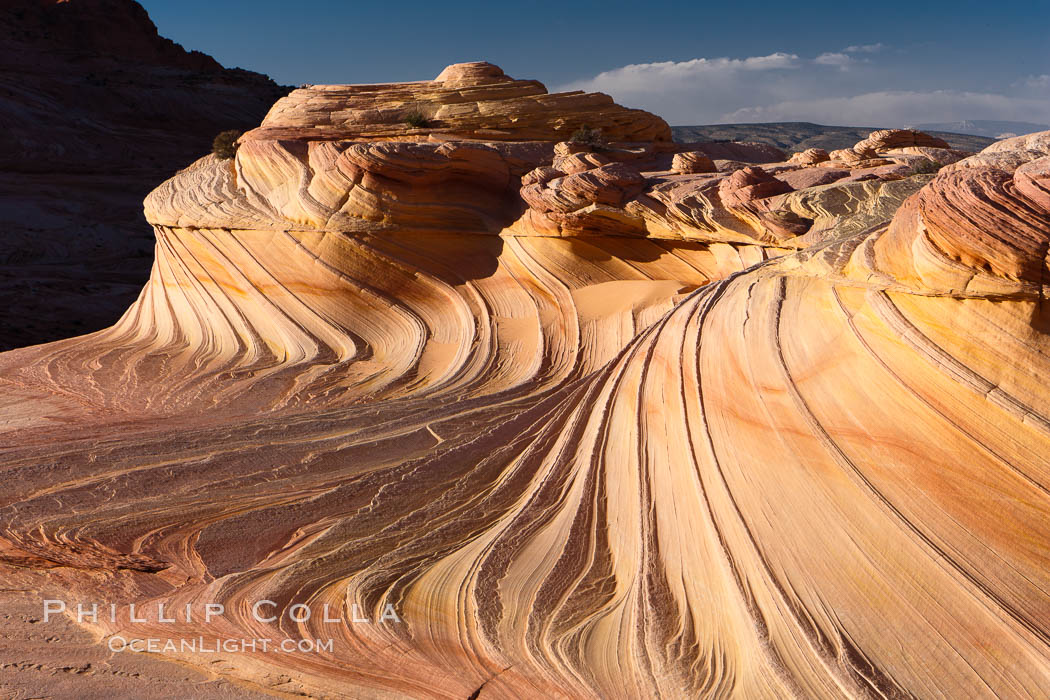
pixel 97 109
pixel 470 100
pixel 888 146
pixel 69 71
pixel 889 139
pixel 692 163
pixel 810 156
pixel 558 418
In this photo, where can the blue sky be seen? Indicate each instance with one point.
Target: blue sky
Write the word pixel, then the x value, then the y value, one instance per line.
pixel 880 63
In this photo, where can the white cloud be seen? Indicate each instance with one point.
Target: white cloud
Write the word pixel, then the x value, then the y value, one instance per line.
pixel 841 60
pixel 830 88
pixel 657 77
pixel 898 108
pixel 1036 82
pixel 865 48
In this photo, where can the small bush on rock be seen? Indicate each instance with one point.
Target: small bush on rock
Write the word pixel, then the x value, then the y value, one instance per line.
pixel 588 137
pixel 415 119
pixel 225 144
pixel 927 167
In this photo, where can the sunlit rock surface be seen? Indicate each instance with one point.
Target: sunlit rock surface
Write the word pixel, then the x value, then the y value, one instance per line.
pixel 591 426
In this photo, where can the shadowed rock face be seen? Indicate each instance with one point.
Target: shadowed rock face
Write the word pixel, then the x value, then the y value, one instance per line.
pixel 591 426
pixel 96 109
pixel 89 86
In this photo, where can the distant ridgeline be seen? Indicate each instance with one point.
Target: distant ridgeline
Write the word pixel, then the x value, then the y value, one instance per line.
pixel 992 128
pixel 798 136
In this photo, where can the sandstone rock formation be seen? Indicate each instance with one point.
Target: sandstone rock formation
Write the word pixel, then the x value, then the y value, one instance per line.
pixel 592 427
pixel 889 139
pixel 692 163
pixel 810 156
pixel 902 146
pixel 97 109
pixel 1009 154
pixel 471 100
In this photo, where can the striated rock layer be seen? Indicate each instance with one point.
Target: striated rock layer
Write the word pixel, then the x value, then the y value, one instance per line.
pixel 590 424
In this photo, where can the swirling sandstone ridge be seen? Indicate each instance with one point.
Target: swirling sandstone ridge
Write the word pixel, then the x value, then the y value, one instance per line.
pixel 632 420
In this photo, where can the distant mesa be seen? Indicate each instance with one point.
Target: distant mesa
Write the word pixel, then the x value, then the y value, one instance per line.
pixel 995 129
pixel 799 136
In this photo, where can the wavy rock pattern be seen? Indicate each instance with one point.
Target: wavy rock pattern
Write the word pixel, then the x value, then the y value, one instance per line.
pixel 593 427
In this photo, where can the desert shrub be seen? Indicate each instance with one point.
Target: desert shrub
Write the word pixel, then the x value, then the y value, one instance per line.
pixel 415 119
pixel 225 144
pixel 588 137
pixel 927 167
